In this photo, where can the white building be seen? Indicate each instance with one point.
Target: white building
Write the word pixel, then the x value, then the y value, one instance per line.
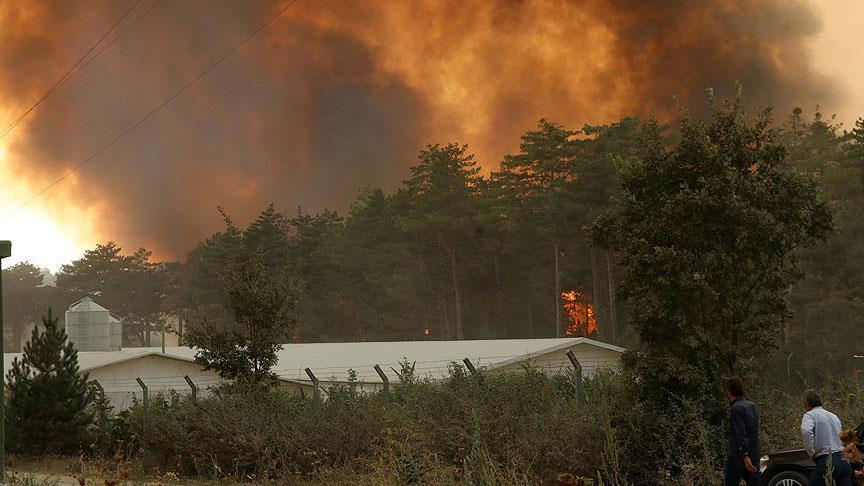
pixel 117 371
pixel 330 362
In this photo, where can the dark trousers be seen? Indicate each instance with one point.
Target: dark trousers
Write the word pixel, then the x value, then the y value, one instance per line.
pixel 735 472
pixel 842 471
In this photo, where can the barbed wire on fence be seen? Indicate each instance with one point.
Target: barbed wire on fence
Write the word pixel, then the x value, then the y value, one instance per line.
pixel 360 374
pixel 362 377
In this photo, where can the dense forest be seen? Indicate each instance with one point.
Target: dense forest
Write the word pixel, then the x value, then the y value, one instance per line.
pixel 456 254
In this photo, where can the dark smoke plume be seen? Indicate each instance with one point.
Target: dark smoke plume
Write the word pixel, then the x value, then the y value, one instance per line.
pixel 341 94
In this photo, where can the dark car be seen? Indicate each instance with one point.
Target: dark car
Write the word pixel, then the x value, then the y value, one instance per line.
pixel 792 467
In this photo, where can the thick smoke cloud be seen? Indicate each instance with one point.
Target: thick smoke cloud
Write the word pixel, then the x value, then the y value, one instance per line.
pixel 341 94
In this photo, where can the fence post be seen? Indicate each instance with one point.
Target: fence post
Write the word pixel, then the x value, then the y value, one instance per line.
pixel 145 400
pixel 193 387
pixel 386 383
pixel 103 419
pixel 317 390
pixel 471 369
pixel 577 375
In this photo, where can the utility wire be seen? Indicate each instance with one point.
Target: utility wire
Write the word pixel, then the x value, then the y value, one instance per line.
pixel 113 40
pixel 69 73
pixel 156 109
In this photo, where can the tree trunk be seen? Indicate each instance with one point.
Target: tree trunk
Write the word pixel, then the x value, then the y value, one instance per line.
pixel 599 318
pixel 610 279
pixel 559 329
pixel 18 335
pixel 500 292
pixel 457 294
pixel 486 322
pixel 449 330
pixel 147 333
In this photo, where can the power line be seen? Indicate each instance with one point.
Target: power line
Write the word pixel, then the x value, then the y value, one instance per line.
pixel 69 72
pixel 156 109
pixel 118 36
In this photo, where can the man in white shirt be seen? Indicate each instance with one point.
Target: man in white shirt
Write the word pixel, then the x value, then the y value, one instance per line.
pixel 820 430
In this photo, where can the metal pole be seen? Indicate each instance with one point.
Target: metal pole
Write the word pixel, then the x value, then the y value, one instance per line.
pixel 476 374
pixel 193 387
pixel 5 252
pixel 386 383
pixel 316 390
pixel 103 420
pixel 577 375
pixel 145 400
pixel 470 366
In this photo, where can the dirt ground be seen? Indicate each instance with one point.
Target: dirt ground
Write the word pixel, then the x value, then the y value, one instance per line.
pixel 70 471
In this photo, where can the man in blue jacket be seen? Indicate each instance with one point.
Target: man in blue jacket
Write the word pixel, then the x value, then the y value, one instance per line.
pixel 743 438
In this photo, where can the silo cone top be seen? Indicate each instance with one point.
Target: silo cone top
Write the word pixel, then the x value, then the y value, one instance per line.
pixel 86 305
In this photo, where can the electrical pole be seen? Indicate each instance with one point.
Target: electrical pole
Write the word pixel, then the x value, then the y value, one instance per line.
pixel 5 252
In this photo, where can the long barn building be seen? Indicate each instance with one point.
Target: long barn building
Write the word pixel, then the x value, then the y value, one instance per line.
pixel 117 371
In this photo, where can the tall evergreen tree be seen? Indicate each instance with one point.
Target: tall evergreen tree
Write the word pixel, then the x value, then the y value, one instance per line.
pixel 828 305
pixel 21 298
pixel 539 181
pixel 47 404
pixel 130 286
pixel 444 191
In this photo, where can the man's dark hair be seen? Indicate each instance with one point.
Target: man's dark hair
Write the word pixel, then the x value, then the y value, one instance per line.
pixel 735 387
pixel 812 399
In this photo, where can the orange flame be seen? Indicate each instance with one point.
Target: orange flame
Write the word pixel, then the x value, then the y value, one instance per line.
pixel 579 314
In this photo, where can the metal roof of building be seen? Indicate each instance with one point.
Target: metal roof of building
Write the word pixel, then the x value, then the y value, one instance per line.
pixel 331 361
pixel 86 305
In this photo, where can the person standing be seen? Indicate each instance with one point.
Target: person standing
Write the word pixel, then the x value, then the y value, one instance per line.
pixel 821 430
pixel 743 438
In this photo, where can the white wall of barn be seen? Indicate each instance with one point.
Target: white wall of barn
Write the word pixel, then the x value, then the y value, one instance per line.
pixel 161 375
pixel 591 358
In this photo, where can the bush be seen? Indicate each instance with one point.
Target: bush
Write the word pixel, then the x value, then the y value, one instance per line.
pixel 515 428
pixel 525 424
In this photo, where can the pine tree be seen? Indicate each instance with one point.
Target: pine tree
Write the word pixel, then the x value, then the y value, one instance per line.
pixel 539 181
pixel 444 193
pixel 47 399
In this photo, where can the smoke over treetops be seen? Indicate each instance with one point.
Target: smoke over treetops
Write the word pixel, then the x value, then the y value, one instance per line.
pixel 336 95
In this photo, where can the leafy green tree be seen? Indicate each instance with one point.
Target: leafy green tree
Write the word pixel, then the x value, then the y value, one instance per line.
pixel 47 404
pixel 260 307
pixel 252 271
pixel 707 228
pixel 196 288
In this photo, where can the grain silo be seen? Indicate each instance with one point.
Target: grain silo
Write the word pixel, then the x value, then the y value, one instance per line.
pixel 91 327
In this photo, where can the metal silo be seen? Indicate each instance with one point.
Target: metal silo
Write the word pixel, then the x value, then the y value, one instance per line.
pixel 91 327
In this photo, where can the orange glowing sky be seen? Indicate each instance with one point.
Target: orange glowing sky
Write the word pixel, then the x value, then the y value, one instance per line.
pixel 56 228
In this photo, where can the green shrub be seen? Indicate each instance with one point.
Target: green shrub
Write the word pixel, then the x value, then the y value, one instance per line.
pixel 510 428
